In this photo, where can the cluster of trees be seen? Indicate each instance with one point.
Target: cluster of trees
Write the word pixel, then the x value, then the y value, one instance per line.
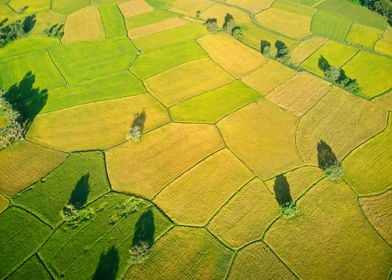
pixel 56 31
pixel 13 131
pixel 328 162
pixel 383 7
pixel 282 51
pixel 15 30
pixel 229 26
pixel 338 77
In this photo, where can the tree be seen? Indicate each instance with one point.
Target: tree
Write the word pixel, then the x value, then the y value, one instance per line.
pixel 136 129
pixel 287 205
pixel 198 14
pixel 328 162
pixel 237 32
pixel 265 47
pixel 282 52
pixel 333 74
pixel 229 24
pixel 211 24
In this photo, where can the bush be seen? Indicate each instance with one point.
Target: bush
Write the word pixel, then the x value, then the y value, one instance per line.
pixel 74 217
pixel 139 253
pixel 127 208
pixel 289 210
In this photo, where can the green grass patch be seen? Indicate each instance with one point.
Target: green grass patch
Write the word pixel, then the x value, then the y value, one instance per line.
pixel 83 250
pixel 372 71
pixel 363 35
pixel 156 61
pixel 21 235
pixel 39 63
pixel 213 105
pixel 160 4
pixel 330 25
pixel 147 18
pixel 32 269
pixel 335 53
pixel 113 21
pixel 253 34
pixel 353 12
pixel 28 45
pixel 184 33
pixel 119 85
pixel 82 174
pixel 69 6
pixel 90 60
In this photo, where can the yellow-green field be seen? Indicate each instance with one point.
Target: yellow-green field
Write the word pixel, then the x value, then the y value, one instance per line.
pixel 306 48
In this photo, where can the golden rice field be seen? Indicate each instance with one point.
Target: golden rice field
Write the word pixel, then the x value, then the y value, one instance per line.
pixel 195 139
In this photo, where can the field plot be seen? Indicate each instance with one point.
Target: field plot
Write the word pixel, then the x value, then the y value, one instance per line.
pixel 219 11
pixel 16 175
pixel 3 203
pixel 313 237
pixel 215 104
pixel 45 20
pixel 287 23
pixel 330 25
pixel 166 24
pixel 32 269
pixel 103 241
pixel 187 80
pixel 184 253
pixel 384 45
pixel 252 34
pixel 263 136
pixel 268 76
pixel 257 261
pixel 135 7
pixel 195 196
pixel 46 76
pixel 385 100
pixel 363 35
pixel 372 71
pixel 19 240
pixel 33 6
pixel 335 53
pixel 294 7
pixel 300 93
pixel 181 34
pixel 84 25
pixel 112 20
pixel 231 54
pixel 252 5
pixel 28 45
pixel 68 6
pixel 305 49
pixel 91 60
pixel 81 128
pixel 119 85
pixel 190 7
pixel 246 216
pixel 340 119
pixel 147 18
pixel 179 147
pixel 368 169
pixel 80 179
pixel 299 180
pixel 378 210
pixel 153 62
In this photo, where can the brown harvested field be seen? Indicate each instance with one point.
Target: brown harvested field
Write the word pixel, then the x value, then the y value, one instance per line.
pixel 253 6
pixel 257 261
pixel 24 163
pixel 331 236
pixel 135 7
pixel 187 80
pixel 378 210
pixel 263 136
pixel 81 128
pixel 270 75
pixel 232 55
pixel 219 11
pixel 300 93
pixel 166 24
pixel 340 119
pixel 3 203
pixel 84 25
pixel 194 197
pixel 299 180
pixel 146 167
pixel 246 216
pixel 305 49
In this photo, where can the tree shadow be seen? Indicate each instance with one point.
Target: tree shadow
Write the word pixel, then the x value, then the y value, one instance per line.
pixel 4 21
pixel 29 22
pixel 139 120
pixel 282 190
pixel 144 229
pixel 326 157
pixel 80 192
pixel 26 100
pixel 108 265
pixel 323 63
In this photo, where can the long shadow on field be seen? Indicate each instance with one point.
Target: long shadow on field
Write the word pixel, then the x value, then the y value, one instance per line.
pixel 144 229
pixel 26 100
pixel 80 192
pixel 108 265
pixel 326 157
pixel 323 64
pixel 282 190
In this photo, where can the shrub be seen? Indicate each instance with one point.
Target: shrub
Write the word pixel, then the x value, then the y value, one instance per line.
pixel 74 217
pixel 289 210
